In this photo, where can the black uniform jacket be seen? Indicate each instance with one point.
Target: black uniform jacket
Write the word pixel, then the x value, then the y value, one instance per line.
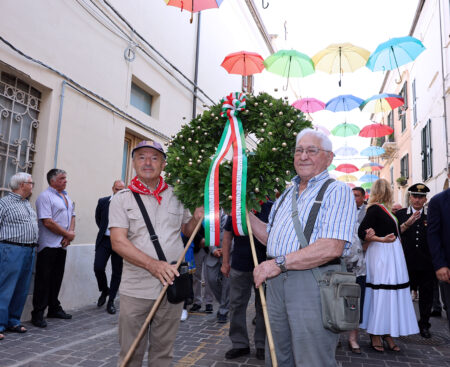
pixel 414 241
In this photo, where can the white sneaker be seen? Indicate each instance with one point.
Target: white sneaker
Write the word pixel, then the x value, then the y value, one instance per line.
pixel 184 315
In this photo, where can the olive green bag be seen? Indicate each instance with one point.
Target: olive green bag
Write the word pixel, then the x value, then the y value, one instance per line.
pixel 339 293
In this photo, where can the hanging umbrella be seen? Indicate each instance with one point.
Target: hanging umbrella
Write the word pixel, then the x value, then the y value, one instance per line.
pixel 345 102
pixel 194 6
pixel 368 178
pixel 289 63
pixel 345 129
pixel 367 185
pixel 347 178
pixel 375 131
pixel 346 151
pixel 394 53
pixel 331 167
pixel 243 63
pixel 382 103
pixel 372 151
pixel 340 58
pixel 322 129
pixel 309 105
pixel 347 168
pixel 371 167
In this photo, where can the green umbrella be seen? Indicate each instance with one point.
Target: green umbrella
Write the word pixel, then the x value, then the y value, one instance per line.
pixel 289 63
pixel 331 167
pixel 345 130
pixel 367 185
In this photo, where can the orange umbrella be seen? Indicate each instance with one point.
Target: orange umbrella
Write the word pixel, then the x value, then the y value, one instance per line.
pixel 243 63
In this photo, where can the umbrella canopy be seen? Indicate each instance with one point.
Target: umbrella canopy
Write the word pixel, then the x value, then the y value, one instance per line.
pixel 346 151
pixel 289 63
pixel 345 102
pixel 368 178
pixel 322 129
pixel 382 103
pixel 372 151
pixel 331 167
pixel 340 58
pixel 371 167
pixel 347 168
pixel 309 105
pixel 345 130
pixel 375 131
pixel 347 178
pixel 394 53
pixel 367 185
pixel 194 6
pixel 243 63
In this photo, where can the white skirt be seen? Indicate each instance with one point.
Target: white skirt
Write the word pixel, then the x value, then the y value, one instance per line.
pixel 388 308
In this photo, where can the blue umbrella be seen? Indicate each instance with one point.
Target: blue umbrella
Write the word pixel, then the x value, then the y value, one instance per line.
pixel 372 151
pixel 368 178
pixel 394 53
pixel 345 102
pixel 346 151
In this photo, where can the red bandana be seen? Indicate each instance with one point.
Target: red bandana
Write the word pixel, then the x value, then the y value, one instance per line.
pixel 137 186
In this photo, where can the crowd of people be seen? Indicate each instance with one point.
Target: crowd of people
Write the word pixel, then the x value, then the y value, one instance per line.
pixel 391 251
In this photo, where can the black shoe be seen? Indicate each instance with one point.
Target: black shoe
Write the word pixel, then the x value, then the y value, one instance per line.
pixel 195 308
pixel 102 299
pixel 209 308
pixel 425 333
pixel 39 322
pixel 237 352
pixel 436 313
pixel 60 314
pixel 110 308
pixel 222 319
pixel 260 354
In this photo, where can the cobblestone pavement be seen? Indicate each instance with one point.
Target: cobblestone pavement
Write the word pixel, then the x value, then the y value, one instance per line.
pixel 90 340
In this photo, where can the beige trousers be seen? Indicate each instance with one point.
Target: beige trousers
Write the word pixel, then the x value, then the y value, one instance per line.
pixel 160 336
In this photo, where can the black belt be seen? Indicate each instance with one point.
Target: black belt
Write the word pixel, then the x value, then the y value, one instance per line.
pixel 20 244
pixel 336 261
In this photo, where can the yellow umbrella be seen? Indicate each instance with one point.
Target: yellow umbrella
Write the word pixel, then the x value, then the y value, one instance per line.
pixel 340 58
pixel 347 178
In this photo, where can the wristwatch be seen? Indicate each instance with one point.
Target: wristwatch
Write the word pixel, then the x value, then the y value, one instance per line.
pixel 280 261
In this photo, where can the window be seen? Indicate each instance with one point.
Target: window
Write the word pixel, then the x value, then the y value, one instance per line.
pixel 404 166
pixel 427 169
pixel 392 175
pixel 414 98
pixel 19 112
pixel 130 142
pixel 402 109
pixel 140 99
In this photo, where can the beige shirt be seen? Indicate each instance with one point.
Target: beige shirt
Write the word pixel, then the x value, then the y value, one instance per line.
pixel 166 219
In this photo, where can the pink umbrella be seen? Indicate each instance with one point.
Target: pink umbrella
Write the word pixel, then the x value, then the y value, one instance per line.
pixel 309 105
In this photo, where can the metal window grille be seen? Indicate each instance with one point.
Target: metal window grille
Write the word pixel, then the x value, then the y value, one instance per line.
pixel 427 162
pixel 19 111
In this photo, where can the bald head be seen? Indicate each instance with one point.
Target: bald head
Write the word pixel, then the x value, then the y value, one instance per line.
pixel 117 186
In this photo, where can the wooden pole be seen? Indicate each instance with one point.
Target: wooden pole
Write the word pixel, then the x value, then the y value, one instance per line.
pixel 157 302
pixel 273 355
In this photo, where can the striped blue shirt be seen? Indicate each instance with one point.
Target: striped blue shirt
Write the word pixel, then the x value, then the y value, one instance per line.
pixel 336 218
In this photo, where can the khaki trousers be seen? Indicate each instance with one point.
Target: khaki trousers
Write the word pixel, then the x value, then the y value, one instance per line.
pixel 160 336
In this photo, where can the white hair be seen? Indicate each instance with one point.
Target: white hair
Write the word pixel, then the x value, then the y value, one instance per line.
pixel 17 179
pixel 326 143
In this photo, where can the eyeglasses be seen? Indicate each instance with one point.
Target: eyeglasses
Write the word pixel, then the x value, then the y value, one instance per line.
pixel 29 182
pixel 310 151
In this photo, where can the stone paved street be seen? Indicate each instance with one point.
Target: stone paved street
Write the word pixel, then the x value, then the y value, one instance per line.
pixel 90 340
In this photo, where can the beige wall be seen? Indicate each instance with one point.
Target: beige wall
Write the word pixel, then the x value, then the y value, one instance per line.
pixel 65 36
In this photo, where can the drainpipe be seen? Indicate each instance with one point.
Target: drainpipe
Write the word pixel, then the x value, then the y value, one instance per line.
pixel 58 132
pixel 443 83
pixel 197 52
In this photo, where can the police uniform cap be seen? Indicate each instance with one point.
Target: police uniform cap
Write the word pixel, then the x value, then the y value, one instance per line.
pixel 418 189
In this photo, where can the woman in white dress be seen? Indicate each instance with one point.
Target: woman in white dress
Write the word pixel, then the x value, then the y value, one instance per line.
pixel 388 309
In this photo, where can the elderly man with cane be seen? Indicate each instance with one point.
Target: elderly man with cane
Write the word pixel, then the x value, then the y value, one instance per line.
pixel 143 275
pixel 293 297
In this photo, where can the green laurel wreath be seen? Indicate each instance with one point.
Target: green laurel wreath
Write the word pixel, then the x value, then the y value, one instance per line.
pixel 274 124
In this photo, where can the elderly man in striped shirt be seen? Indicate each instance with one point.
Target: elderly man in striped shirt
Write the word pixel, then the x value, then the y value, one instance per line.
pixel 18 237
pixel 293 297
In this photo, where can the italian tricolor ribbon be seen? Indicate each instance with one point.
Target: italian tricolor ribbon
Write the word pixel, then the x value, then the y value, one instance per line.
pixel 232 136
